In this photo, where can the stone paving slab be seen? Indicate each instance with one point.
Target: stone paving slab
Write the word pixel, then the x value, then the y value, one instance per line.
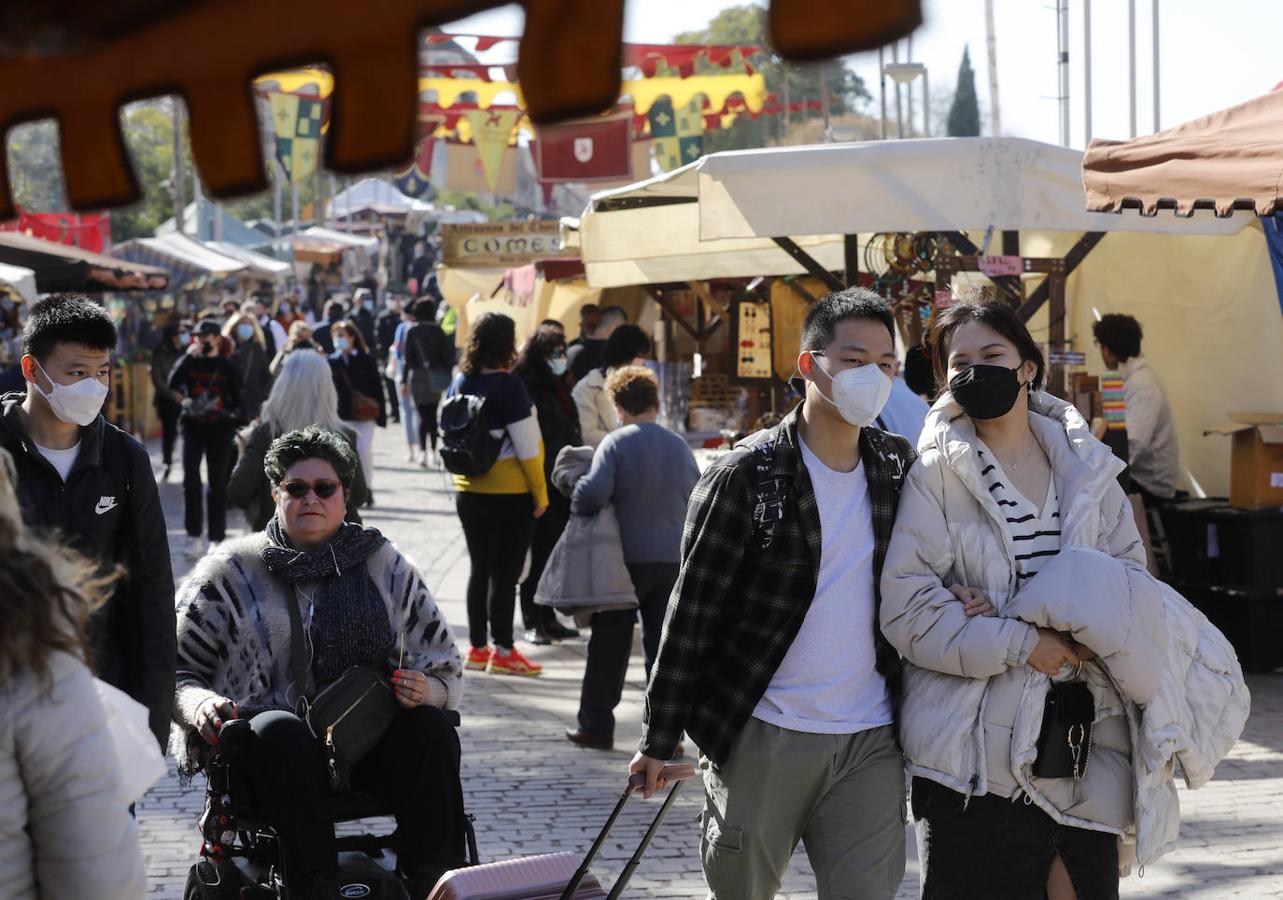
pixel 532 792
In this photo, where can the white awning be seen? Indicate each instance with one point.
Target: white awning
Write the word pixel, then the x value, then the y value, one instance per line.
pixel 715 217
pixel 23 281
pixel 190 253
pixel 260 263
pixel 366 244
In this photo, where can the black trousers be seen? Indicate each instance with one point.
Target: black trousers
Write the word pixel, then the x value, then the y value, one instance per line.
pixel 415 768
pixel 611 643
pixel 1001 849
pixel 548 531
pixel 168 414
pixel 497 529
pixel 427 423
pixel 211 441
pixel 391 392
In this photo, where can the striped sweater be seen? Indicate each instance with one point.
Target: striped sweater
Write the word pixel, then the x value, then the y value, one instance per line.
pixel 1036 534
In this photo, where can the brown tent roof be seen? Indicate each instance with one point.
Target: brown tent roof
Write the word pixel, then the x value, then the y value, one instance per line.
pixel 60 267
pixel 1232 159
pixel 80 60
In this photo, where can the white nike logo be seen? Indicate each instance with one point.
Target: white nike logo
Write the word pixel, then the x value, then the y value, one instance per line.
pixel 105 504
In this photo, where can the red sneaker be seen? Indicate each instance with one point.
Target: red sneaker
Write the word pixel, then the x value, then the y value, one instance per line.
pixel 478 659
pixel 511 662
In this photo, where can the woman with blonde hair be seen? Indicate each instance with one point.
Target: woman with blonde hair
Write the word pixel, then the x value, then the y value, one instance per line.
pixel 59 775
pixel 249 355
pixel 303 395
pixel 298 338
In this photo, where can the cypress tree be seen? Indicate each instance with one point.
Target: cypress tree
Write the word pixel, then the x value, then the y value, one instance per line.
pixel 964 114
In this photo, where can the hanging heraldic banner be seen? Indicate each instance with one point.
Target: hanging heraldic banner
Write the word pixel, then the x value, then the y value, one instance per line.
pixel 500 244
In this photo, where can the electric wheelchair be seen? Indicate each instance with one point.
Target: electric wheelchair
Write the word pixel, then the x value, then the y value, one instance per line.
pixel 240 854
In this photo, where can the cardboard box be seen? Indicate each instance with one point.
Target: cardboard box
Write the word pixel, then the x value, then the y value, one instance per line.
pixel 1256 459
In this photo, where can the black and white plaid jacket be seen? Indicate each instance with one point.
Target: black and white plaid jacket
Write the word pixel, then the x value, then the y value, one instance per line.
pixel 736 607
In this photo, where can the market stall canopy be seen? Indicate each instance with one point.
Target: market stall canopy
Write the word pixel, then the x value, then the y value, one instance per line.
pixel 260 264
pixel 1229 160
pixel 316 250
pixel 342 238
pixel 378 195
pixel 212 217
pixel 18 281
pixel 958 184
pixel 186 259
pixel 59 267
pixel 79 61
pixel 625 247
pixel 717 217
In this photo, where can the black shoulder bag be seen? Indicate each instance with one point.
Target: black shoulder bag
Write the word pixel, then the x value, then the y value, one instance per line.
pixel 349 717
pixel 1065 741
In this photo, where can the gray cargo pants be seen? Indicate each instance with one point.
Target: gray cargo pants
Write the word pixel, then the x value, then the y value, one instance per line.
pixel 841 795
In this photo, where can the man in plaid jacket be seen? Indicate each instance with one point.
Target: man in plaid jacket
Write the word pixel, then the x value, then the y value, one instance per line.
pixel 771 657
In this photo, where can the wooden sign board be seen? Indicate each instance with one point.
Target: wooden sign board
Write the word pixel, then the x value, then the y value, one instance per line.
pixel 501 244
pixel 753 355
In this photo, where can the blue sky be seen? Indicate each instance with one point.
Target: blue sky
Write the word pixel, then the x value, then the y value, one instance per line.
pixel 1213 55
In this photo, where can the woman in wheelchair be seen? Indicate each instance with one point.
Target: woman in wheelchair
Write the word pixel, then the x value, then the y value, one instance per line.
pixel 359 602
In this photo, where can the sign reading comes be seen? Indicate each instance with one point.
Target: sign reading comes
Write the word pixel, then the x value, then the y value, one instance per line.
pixel 500 244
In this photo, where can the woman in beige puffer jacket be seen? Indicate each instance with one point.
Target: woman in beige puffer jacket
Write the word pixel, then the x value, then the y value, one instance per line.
pixel 65 828
pixel 975 687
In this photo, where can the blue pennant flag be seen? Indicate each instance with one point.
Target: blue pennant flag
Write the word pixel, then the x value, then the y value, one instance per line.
pixel 1273 228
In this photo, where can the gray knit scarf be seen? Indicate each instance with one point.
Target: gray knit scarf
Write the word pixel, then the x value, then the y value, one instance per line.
pixel 351 546
pixel 349 622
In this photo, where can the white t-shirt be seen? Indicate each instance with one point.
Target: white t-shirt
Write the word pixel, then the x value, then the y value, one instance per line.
pixel 62 460
pixel 828 682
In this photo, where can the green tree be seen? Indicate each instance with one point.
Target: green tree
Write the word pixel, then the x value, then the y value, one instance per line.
pixel 747 25
pixel 149 136
pixel 35 167
pixel 964 114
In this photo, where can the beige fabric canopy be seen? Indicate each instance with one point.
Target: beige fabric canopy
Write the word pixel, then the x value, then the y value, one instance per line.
pixel 1232 159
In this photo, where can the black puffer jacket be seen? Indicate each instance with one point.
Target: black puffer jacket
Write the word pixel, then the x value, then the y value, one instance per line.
pixel 558 418
pixel 109 509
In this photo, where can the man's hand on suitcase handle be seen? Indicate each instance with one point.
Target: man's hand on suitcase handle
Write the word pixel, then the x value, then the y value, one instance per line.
pixel 651 775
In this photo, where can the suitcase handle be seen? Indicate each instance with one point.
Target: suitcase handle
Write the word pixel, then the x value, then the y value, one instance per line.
pixel 670 774
pixel 674 774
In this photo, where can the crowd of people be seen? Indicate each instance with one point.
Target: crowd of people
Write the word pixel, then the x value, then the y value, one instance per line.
pixel 826 610
pixel 214 379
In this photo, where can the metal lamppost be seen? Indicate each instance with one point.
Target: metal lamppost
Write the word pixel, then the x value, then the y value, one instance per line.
pixel 904 73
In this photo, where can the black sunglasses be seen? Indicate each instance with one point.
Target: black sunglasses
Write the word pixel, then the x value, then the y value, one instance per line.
pixel 298 489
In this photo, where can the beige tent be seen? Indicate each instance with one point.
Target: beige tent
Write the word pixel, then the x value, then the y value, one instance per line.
pixel 1231 159
pixel 474 292
pixel 1202 287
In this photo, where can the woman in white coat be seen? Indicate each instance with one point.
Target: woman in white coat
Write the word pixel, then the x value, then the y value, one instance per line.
pixel 1016 794
pixel 626 346
pixel 65 828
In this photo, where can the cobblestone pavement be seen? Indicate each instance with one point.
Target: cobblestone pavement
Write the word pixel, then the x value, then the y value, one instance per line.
pixel 532 792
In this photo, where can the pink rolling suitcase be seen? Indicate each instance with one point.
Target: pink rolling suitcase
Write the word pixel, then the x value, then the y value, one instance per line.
pixel 558 876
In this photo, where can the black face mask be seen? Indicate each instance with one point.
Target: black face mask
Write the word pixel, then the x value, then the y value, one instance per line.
pixel 986 392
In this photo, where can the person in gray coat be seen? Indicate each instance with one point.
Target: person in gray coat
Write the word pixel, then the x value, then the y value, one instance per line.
pixel 648 473
pixel 65 828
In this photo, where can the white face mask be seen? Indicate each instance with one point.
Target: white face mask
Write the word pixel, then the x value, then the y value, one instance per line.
pixel 859 393
pixel 75 404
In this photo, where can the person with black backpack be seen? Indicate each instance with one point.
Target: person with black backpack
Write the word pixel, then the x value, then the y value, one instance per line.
pixel 771 658
pixel 429 364
pixel 79 475
pixel 491 442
